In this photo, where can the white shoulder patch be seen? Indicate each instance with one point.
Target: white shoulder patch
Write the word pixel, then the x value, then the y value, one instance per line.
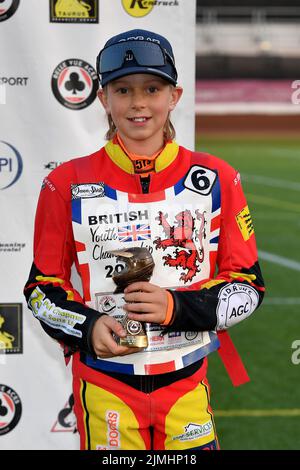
pixel 236 302
pixel 200 179
pixel 54 316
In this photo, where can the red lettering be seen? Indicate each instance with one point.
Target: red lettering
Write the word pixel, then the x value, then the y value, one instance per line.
pixel 113 443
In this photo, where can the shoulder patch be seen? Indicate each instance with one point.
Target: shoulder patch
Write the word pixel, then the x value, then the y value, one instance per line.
pixel 87 190
pixel 200 179
pixel 237 301
pixel 245 224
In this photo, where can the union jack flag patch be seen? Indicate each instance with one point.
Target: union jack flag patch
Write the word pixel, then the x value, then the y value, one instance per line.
pixel 133 233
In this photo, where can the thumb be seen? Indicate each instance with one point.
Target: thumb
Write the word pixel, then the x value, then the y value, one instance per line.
pixel 116 327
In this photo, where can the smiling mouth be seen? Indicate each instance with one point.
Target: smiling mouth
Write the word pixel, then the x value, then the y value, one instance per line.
pixel 139 119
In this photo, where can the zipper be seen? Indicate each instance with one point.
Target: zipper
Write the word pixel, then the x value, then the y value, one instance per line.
pixel 145 183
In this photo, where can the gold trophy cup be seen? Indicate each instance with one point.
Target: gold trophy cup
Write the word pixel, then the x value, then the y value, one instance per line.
pixel 138 266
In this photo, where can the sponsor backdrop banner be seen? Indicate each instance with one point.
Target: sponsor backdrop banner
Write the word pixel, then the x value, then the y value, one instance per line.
pixel 48 114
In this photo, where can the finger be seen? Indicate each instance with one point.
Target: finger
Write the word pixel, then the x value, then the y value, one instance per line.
pixel 140 307
pixel 115 326
pixel 143 286
pixel 143 317
pixel 131 351
pixel 111 348
pixel 144 297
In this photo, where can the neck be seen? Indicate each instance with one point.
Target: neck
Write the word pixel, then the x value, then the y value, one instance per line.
pixel 143 148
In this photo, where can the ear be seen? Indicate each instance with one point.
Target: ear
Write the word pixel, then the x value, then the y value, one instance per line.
pixel 102 96
pixel 176 94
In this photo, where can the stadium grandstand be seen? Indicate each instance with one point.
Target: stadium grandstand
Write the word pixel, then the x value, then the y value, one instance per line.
pixel 247 65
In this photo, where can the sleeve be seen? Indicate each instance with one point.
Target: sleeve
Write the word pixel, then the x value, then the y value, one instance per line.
pixel 48 291
pixel 238 288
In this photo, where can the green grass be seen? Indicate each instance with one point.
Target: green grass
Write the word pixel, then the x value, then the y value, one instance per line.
pixel 264 341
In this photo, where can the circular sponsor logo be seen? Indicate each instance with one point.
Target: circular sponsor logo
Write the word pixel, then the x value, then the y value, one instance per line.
pixel 10 409
pixel 11 165
pixel 133 327
pixel 107 303
pixel 75 83
pixel 137 8
pixel 191 335
pixel 8 8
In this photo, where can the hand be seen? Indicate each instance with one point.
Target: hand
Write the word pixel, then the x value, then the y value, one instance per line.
pixel 146 302
pixel 103 342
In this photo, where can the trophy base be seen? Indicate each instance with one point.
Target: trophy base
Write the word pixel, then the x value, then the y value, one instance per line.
pixel 134 341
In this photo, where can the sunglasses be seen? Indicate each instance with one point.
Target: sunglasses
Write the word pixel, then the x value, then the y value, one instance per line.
pixel 146 53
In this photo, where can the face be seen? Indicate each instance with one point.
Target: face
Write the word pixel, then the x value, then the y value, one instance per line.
pixel 139 105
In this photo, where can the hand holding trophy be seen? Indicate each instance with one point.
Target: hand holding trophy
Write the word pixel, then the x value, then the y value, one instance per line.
pixel 138 266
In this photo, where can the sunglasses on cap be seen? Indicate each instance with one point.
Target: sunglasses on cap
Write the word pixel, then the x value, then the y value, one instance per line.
pixel 145 53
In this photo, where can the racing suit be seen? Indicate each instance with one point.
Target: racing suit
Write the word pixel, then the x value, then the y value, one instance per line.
pixel 192 215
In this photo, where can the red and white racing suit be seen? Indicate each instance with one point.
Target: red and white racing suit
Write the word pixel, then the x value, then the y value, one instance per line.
pixel 192 215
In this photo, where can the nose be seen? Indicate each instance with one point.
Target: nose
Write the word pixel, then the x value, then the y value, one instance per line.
pixel 138 99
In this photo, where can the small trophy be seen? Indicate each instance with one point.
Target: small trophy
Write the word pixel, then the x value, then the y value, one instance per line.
pixel 138 266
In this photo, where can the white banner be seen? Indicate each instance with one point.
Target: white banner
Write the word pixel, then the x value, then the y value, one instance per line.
pixel 48 114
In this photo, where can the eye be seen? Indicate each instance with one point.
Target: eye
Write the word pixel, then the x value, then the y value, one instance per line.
pixel 122 90
pixel 152 89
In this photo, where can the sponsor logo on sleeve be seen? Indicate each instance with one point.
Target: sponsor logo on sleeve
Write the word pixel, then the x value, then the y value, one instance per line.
pixel 54 316
pixel 49 184
pixel 245 224
pixel 236 302
pixel 237 179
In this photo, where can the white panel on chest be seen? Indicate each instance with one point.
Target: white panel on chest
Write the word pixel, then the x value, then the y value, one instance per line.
pixel 176 230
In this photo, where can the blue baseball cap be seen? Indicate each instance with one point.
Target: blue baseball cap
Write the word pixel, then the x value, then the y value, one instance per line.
pixel 136 51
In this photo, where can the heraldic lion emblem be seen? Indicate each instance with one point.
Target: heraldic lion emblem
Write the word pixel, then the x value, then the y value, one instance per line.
pixel 182 236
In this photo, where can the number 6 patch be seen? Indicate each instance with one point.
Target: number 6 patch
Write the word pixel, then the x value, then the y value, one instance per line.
pixel 200 180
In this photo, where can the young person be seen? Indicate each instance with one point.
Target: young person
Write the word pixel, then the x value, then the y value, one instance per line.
pixel 188 209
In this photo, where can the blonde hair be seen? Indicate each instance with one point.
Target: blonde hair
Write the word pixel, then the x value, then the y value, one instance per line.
pixel 169 129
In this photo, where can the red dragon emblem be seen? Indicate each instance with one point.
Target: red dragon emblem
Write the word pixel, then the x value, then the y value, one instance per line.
pixel 183 234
